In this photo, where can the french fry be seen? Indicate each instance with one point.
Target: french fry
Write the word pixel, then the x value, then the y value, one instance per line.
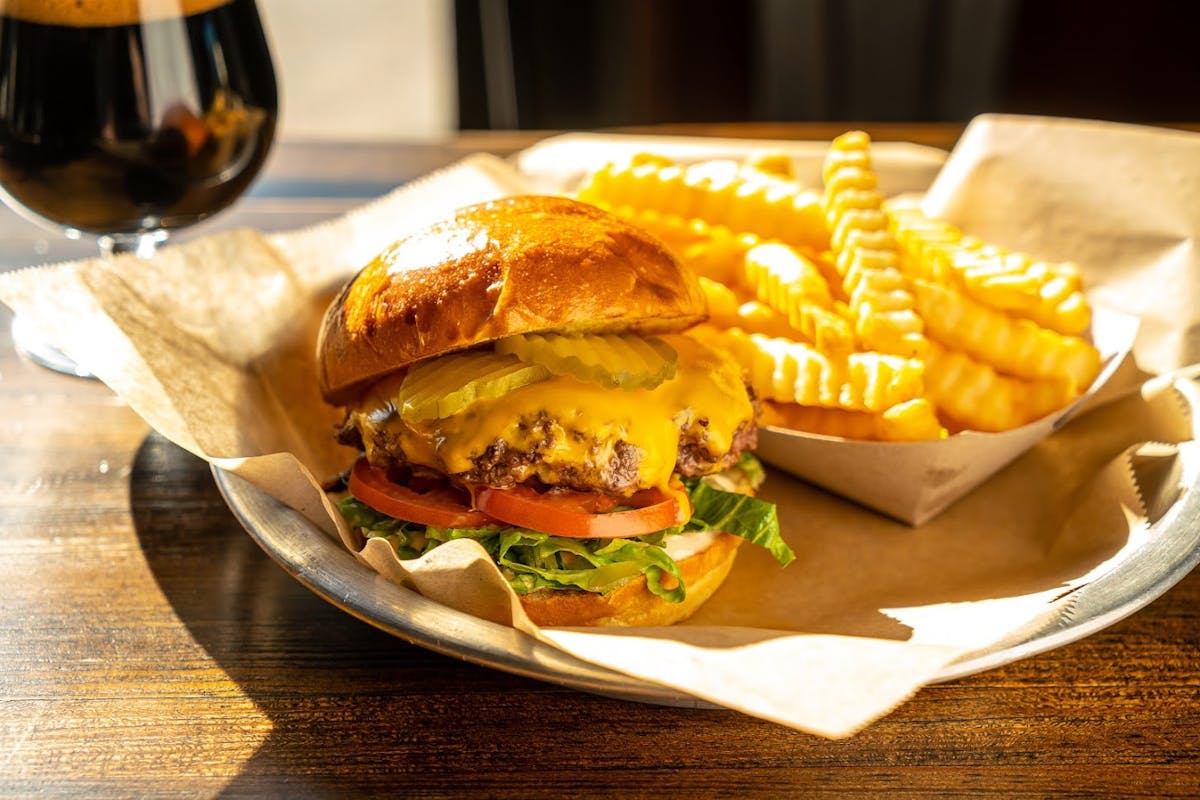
pixel 912 421
pixel 850 151
pixel 918 236
pixel 721 256
pixel 781 277
pixel 1017 347
pixel 722 302
pixel 777 164
pixel 677 233
pixel 756 317
pixel 866 254
pixel 725 193
pixel 789 283
pixel 795 372
pixel 973 395
pixel 877 381
pixel 1049 294
pixel 778 368
pixel 823 421
pixel 713 251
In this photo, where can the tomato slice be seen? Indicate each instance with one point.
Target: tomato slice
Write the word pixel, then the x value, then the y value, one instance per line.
pixel 585 515
pixel 438 507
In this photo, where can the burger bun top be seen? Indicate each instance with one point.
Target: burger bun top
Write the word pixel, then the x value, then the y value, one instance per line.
pixel 519 265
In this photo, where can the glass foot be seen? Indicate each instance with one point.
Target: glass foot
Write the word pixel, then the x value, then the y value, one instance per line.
pixel 31 345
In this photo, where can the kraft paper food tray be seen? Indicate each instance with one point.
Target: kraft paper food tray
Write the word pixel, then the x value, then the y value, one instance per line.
pixel 913 481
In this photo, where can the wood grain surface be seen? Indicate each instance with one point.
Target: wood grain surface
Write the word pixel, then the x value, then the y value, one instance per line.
pixel 148 648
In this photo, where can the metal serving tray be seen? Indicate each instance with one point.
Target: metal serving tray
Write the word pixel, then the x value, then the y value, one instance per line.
pixel 1171 550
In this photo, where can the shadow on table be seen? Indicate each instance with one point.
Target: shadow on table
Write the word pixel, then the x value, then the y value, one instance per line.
pixel 351 707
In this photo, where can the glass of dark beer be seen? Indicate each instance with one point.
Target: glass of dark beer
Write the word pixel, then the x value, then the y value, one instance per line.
pixel 127 119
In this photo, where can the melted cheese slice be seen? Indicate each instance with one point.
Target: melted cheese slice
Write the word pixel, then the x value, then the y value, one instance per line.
pixel 572 425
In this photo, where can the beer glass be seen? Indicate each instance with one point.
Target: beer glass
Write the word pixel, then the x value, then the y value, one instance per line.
pixel 127 119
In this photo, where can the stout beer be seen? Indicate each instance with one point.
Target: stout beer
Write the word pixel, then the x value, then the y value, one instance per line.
pixel 125 116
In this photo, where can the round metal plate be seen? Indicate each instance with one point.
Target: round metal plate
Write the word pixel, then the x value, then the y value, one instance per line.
pixel 319 562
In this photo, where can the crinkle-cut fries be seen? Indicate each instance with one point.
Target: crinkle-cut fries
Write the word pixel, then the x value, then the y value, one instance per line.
pixel 865 253
pixel 741 197
pixel 1049 294
pixel 913 421
pixel 855 315
pixel 789 371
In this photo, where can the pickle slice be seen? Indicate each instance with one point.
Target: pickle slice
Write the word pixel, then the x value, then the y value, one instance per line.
pixel 445 386
pixel 424 384
pixel 626 362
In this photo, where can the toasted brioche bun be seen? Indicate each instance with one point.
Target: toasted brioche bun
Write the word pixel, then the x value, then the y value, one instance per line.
pixel 633 603
pixel 512 266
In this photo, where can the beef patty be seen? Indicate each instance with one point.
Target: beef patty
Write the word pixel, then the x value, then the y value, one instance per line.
pixel 610 466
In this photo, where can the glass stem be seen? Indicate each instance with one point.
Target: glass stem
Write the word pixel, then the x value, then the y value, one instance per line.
pixel 142 245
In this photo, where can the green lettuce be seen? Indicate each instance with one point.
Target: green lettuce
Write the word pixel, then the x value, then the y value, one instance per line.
pixel 539 561
pixel 532 560
pixel 752 519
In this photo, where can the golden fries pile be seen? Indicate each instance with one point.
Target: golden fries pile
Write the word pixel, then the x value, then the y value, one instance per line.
pixel 855 315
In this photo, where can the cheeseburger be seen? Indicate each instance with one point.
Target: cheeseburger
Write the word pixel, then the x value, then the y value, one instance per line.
pixel 516 374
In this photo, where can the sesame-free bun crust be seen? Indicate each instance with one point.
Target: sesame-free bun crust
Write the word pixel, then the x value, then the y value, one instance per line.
pixel 517 265
pixel 633 603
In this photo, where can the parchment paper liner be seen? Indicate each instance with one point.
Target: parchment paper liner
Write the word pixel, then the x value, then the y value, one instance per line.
pixel 212 343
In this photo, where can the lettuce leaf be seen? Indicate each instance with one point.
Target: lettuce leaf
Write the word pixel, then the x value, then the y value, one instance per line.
pixel 750 467
pixel 532 560
pixel 409 539
pixel 539 561
pixel 752 519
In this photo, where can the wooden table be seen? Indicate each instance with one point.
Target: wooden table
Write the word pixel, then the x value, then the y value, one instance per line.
pixel 148 648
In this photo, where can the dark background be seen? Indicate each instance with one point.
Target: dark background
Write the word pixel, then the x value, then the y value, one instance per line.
pixel 540 64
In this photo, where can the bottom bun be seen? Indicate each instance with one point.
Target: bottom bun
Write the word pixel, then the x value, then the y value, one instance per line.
pixel 633 603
